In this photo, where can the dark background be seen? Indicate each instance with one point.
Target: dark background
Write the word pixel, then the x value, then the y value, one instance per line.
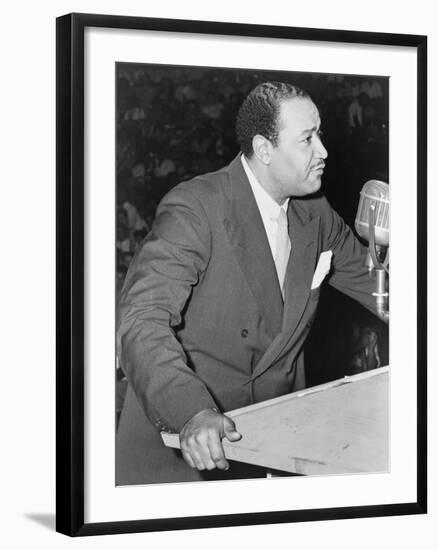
pixel 176 122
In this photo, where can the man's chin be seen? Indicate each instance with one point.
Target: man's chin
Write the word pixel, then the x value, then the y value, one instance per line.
pixel 308 187
pixel 314 185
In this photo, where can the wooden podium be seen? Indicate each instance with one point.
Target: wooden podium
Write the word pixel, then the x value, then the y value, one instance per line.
pixel 334 428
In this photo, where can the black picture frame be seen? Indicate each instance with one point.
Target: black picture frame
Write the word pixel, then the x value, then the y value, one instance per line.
pixel 70 312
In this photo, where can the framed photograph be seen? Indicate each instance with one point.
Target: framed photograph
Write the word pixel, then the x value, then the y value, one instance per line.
pixel 181 309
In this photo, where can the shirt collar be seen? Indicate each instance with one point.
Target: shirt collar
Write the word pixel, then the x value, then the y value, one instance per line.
pixel 269 208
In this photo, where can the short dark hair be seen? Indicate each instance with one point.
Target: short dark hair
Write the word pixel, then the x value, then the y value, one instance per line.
pixel 259 113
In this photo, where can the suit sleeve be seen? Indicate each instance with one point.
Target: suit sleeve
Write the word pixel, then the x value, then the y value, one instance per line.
pixel 157 287
pixel 349 272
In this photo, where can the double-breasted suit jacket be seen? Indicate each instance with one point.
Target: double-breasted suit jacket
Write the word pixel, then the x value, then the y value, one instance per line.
pixel 202 319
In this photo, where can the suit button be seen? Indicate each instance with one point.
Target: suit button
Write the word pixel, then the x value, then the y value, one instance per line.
pixel 244 333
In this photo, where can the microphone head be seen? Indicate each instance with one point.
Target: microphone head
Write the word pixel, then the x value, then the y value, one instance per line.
pixel 374 196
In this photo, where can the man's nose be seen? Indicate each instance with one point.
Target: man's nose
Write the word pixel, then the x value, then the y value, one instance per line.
pixel 320 150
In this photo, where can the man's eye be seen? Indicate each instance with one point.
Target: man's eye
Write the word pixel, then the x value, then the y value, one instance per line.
pixel 308 139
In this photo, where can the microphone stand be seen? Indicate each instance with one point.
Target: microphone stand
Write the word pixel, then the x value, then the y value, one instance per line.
pixel 381 269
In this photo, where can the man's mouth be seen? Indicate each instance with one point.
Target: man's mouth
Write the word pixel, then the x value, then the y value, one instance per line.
pixel 318 167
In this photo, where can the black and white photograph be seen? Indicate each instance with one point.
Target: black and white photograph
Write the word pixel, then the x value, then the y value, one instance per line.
pixel 236 271
pixel 173 378
pixel 252 274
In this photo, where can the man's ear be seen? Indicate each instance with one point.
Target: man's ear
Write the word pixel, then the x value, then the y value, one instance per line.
pixel 262 148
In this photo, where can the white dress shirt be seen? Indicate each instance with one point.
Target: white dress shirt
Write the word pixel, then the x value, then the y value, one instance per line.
pixel 269 209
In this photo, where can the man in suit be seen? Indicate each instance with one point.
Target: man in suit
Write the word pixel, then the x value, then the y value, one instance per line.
pixel 219 300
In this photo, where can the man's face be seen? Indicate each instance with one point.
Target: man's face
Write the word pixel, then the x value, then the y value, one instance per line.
pixel 297 162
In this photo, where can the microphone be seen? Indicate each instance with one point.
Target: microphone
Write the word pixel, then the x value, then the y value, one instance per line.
pixel 372 224
pixel 375 197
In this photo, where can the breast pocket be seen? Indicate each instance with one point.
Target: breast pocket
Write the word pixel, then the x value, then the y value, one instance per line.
pixel 315 293
pixel 312 306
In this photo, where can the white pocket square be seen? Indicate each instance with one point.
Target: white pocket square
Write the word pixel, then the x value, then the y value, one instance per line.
pixel 323 267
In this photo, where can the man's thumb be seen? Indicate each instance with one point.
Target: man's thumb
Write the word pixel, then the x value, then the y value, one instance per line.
pixel 230 430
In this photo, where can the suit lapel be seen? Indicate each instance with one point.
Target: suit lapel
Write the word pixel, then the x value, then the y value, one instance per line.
pixel 304 239
pixel 247 235
pixel 303 233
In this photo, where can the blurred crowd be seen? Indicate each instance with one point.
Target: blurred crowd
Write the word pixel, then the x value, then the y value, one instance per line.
pixel 177 122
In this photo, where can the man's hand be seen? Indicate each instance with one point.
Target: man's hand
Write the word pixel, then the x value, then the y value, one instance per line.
pixel 201 440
